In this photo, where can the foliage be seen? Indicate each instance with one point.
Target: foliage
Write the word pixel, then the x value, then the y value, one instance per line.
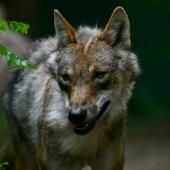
pixel 14 26
pixel 15 60
pixel 11 58
pixel 3 165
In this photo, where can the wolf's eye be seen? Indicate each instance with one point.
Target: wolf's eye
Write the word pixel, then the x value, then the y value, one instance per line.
pixel 65 77
pixel 100 74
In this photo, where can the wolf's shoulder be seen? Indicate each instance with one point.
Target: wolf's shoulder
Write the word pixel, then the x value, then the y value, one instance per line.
pixel 41 49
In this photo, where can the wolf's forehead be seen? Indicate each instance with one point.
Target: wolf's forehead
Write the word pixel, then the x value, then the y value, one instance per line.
pixel 86 34
pixel 87 50
pixel 98 53
pixel 91 40
pixel 98 56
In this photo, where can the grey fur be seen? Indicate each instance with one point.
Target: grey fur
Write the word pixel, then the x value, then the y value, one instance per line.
pixel 40 105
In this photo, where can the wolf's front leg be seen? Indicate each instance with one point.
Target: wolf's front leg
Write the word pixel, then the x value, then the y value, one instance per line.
pixel 110 160
pixel 87 167
pixel 119 165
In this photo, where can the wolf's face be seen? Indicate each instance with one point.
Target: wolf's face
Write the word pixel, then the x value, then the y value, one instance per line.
pixel 93 68
pixel 88 80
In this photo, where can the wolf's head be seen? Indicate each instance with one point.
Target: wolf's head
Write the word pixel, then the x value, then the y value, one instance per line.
pixel 95 69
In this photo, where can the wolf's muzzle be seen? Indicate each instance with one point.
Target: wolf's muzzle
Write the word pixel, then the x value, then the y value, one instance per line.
pixel 77 116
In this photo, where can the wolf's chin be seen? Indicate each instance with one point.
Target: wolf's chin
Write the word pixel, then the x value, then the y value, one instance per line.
pixel 85 128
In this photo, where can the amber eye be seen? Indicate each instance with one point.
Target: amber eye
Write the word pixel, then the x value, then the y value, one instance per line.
pixel 100 74
pixel 65 77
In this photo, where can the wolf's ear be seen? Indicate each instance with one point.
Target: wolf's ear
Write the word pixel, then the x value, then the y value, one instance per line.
pixel 64 30
pixel 117 30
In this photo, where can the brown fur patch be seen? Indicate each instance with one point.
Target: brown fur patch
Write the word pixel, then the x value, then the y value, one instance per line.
pixel 68 27
pixel 80 95
pixel 87 45
pixel 74 45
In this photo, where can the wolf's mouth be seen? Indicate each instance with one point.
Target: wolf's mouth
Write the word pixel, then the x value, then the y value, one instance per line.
pixel 84 128
pixel 103 109
pixel 87 127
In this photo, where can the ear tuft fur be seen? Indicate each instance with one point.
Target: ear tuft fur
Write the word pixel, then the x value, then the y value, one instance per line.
pixel 64 30
pixel 117 30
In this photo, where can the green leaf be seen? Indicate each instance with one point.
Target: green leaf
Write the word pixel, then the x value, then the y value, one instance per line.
pixel 3 25
pixel 14 26
pixel 18 63
pixel 24 28
pixel 3 165
pixel 3 50
pixel 24 63
pixel 31 65
pixel 19 27
pixel 15 60
pixel 11 57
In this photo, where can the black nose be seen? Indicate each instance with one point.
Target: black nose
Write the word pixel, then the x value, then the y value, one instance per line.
pixel 77 115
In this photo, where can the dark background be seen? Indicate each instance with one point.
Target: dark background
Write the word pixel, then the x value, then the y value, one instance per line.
pixel 149 111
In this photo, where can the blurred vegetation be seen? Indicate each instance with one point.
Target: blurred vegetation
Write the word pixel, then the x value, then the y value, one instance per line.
pixel 14 26
pixel 11 58
pixel 3 165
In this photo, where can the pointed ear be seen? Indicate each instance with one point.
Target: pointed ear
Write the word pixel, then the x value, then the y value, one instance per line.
pixel 117 30
pixel 64 30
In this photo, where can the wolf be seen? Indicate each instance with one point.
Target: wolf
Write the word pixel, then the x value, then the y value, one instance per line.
pixel 70 112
